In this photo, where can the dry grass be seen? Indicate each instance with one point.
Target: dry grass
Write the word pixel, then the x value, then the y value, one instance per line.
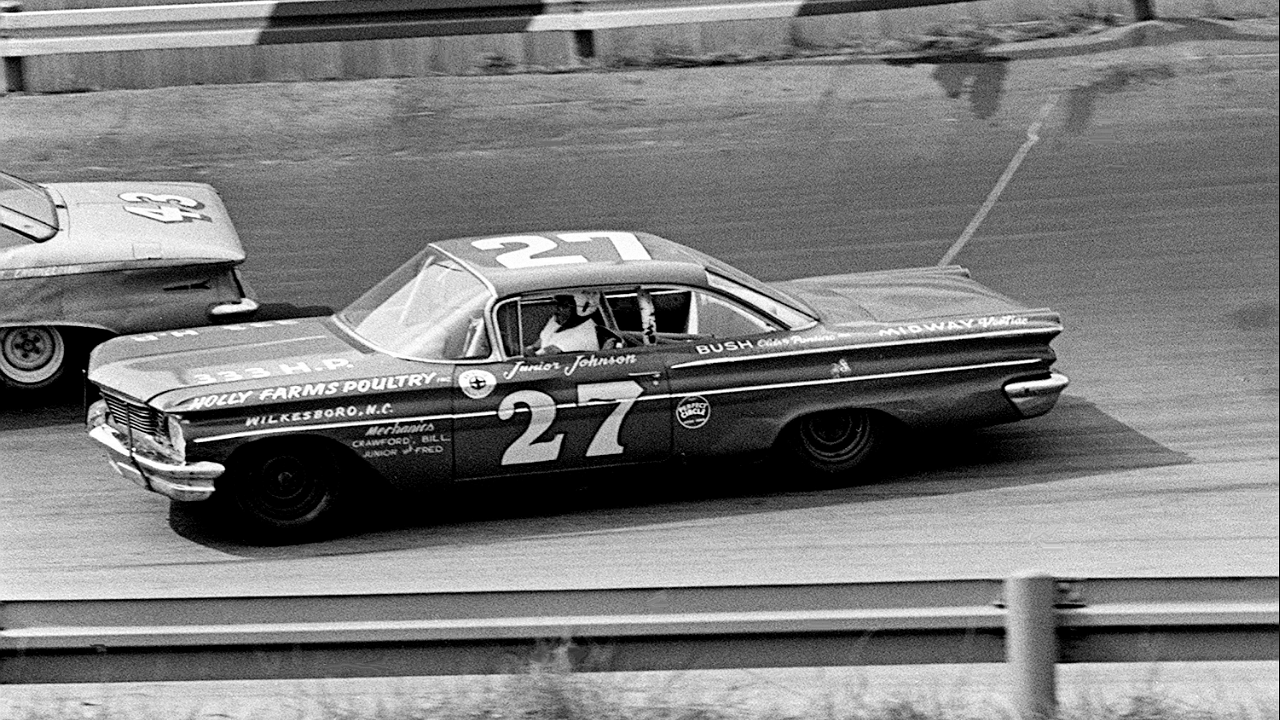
pixel 551 690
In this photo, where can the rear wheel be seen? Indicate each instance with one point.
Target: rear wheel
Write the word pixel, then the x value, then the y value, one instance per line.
pixel 286 491
pixel 31 357
pixel 833 443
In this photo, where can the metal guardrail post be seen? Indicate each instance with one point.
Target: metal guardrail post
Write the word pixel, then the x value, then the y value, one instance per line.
pixel 1144 10
pixel 14 78
pixel 1031 643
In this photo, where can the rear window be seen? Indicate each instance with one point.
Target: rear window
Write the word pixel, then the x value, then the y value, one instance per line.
pixel 789 316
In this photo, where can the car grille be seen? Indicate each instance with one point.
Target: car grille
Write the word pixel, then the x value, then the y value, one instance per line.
pixel 136 417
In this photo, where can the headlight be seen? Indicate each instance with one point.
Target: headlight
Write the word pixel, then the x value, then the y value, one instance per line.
pixel 176 439
pixel 97 414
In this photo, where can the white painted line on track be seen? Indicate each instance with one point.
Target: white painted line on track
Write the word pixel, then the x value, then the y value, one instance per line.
pixel 1032 138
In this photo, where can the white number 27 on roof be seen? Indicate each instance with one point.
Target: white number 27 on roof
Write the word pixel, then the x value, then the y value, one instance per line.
pixel 625 244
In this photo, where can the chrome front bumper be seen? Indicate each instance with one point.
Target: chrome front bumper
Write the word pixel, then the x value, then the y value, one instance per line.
pixel 1036 397
pixel 185 481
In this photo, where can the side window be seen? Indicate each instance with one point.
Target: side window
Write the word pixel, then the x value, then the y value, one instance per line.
pixel 682 315
pixel 671 310
pixel 521 321
pixel 667 308
pixel 565 321
pixel 624 306
pixel 509 328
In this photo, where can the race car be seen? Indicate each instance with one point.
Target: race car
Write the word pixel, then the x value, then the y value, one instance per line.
pixel 486 357
pixel 81 262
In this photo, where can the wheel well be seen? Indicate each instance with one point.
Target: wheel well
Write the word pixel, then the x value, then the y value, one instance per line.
pixel 68 330
pixel 882 419
pixel 84 339
pixel 349 463
pixel 79 339
pixel 76 340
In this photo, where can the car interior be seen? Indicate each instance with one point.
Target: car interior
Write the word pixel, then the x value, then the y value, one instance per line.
pixel 678 315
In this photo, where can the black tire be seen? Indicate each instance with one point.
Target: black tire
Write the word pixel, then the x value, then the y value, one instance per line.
pixel 833 443
pixel 284 491
pixel 32 357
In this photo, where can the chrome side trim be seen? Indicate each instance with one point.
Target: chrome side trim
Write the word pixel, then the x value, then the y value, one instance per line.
pixel 859 378
pixel 327 426
pixel 861 346
pixel 642 398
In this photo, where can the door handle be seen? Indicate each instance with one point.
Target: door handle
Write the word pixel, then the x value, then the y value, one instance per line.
pixel 653 375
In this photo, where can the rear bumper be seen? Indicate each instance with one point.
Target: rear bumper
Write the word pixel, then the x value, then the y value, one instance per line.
pixel 186 482
pixel 1036 397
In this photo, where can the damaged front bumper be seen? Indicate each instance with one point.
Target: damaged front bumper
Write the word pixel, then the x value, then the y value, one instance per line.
pixel 186 482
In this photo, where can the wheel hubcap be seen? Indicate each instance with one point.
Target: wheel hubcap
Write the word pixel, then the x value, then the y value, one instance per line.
pixel 836 436
pixel 29 348
pixel 287 491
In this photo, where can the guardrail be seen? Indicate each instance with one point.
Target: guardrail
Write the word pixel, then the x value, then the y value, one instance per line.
pixel 1030 621
pixel 268 22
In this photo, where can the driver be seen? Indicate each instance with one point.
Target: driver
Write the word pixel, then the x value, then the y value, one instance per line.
pixel 573 326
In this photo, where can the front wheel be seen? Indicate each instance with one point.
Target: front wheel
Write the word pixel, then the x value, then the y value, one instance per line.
pixel 282 492
pixel 833 443
pixel 31 357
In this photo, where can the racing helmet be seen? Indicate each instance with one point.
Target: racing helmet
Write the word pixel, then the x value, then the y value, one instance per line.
pixel 586 302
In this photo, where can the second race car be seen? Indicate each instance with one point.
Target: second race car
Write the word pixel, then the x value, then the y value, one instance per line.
pixel 81 262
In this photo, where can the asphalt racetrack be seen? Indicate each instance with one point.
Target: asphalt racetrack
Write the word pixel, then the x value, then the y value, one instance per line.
pixel 1143 209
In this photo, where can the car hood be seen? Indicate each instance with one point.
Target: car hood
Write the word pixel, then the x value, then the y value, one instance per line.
pixel 100 230
pixel 171 368
pixel 899 296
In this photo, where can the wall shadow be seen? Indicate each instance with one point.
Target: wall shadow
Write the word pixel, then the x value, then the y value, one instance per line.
pixel 982 83
pixel 978 73
pixel 1082 100
pixel 1075 440
pixel 1167 31
pixel 978 78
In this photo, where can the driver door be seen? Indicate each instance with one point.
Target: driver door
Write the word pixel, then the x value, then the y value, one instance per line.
pixel 538 413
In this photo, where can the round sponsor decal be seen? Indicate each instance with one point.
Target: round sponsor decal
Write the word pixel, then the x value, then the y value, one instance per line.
pixel 693 412
pixel 476 384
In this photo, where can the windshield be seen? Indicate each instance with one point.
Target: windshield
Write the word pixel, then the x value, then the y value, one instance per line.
pixel 431 308
pixel 25 209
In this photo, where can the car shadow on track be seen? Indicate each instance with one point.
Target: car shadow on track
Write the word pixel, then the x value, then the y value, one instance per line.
pixel 59 404
pixel 1075 440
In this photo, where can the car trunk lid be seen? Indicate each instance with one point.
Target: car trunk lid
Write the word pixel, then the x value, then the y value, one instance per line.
pixel 900 297
pixel 114 225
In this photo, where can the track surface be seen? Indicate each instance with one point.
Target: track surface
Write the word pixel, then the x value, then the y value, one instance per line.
pixel 1145 212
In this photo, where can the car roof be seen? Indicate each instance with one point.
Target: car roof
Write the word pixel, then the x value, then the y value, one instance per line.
pixel 596 260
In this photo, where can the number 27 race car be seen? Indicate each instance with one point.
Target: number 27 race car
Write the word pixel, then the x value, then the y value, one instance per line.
pixel 493 356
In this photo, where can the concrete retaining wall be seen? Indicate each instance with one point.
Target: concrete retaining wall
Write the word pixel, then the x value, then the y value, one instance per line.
pixel 551 52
